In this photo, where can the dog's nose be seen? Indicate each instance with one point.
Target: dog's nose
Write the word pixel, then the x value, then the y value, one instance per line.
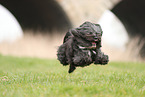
pixel 95 37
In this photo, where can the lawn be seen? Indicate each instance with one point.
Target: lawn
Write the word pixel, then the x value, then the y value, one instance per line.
pixel 34 77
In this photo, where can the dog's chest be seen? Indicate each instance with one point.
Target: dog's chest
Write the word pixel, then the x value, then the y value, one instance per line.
pixel 88 52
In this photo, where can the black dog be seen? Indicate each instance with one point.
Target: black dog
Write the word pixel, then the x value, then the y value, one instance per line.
pixel 81 47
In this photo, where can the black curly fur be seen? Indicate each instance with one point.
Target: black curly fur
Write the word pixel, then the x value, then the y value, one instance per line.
pixel 77 49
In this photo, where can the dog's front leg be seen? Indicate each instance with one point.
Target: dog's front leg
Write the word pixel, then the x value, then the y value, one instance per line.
pixel 98 56
pixel 98 53
pixel 101 58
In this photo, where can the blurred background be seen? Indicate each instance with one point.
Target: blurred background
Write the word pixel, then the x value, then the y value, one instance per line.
pixel 36 28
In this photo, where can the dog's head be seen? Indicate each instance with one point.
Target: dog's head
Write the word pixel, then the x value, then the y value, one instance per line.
pixel 90 31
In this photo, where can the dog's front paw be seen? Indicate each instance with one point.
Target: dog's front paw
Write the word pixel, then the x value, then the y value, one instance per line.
pixel 102 60
pixel 97 60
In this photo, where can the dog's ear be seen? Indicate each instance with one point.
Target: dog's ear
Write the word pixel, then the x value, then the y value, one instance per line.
pixel 98 27
pixel 75 33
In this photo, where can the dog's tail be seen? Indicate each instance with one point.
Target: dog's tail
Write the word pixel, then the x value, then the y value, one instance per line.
pixel 61 56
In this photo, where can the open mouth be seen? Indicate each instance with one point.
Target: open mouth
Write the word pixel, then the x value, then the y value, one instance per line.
pixel 93 44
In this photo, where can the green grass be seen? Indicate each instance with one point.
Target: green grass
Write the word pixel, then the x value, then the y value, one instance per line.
pixel 33 77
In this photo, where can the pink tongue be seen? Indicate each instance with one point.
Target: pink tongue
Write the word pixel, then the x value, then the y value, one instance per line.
pixel 93 44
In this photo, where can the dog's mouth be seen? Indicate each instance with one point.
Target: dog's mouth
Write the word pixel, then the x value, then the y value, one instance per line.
pixel 93 44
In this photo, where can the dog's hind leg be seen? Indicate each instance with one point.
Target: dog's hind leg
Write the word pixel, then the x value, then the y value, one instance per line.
pixel 61 56
pixel 71 68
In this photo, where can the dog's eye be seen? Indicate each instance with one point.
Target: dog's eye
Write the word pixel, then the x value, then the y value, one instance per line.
pixel 90 33
pixel 98 33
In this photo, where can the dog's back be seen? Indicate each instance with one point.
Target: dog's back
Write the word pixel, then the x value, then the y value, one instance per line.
pixel 68 35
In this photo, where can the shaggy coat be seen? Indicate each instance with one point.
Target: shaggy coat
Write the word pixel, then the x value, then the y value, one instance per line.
pixel 81 47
